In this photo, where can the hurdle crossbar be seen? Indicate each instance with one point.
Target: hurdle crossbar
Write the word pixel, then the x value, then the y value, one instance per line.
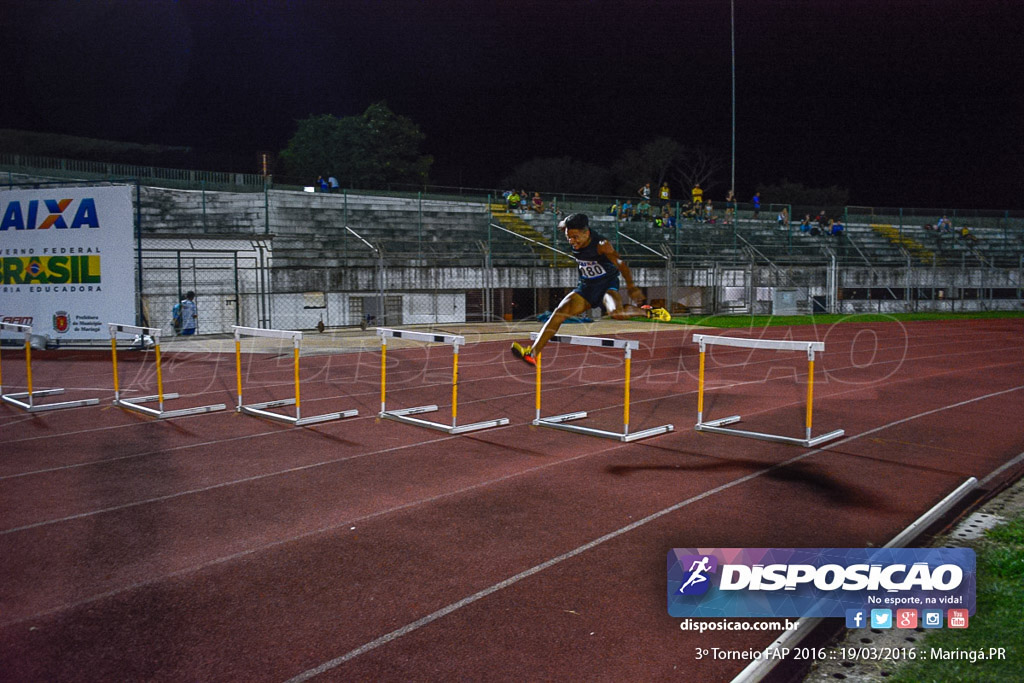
pixel 718 426
pixel 135 403
pixel 30 405
pixel 559 421
pixel 404 414
pixel 259 409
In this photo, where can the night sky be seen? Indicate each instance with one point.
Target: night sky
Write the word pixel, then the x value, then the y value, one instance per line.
pixel 904 102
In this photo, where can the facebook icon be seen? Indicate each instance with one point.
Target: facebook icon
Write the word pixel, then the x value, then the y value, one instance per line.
pixel 856 618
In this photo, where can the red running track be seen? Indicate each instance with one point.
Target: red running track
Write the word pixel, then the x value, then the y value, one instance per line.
pixel 227 547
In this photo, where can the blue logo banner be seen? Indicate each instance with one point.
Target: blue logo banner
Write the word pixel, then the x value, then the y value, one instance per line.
pixel 819 582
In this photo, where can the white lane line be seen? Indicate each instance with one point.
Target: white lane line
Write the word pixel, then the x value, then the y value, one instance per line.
pixel 434 616
pixel 448 494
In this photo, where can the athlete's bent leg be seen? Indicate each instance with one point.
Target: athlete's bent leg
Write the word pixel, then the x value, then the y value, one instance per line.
pixel 619 311
pixel 573 304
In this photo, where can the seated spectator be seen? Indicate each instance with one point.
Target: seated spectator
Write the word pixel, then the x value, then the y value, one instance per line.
pixel 322 184
pixel 783 218
pixel 615 209
pixel 822 219
pixel 709 212
pixel 627 210
pixel 967 235
pixel 944 225
pixel 524 201
pixel 513 201
pixel 537 204
pixel 836 228
pixel 805 224
pixel 644 210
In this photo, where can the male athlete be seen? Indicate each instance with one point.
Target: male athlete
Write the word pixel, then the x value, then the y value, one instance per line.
pixel 599 266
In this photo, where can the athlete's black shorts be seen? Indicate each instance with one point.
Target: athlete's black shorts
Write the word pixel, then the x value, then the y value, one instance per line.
pixel 593 290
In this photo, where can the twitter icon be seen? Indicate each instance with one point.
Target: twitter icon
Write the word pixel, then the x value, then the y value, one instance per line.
pixel 881 618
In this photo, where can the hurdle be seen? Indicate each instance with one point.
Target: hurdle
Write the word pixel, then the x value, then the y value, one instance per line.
pixel 31 406
pixel 717 426
pixel 558 421
pixel 259 409
pixel 403 414
pixel 134 403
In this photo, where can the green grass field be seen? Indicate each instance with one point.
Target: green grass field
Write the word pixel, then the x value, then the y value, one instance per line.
pixel 995 624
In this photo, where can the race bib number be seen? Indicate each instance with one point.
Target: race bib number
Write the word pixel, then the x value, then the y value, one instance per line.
pixel 591 269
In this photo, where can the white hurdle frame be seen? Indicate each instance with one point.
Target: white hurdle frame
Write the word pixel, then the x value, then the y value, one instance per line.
pixel 258 408
pixel 160 396
pixel 403 414
pixel 717 426
pixel 558 421
pixel 31 406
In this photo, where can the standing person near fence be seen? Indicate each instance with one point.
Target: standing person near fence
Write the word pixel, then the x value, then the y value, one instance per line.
pixel 188 314
pixel 600 266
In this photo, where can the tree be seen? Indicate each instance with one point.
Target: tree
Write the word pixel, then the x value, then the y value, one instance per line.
pixel 651 164
pixel 371 150
pixel 665 159
pixel 697 165
pixel 561 174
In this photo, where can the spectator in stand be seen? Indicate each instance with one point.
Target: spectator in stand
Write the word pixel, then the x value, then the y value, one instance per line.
pixel 944 225
pixel 730 208
pixel 697 196
pixel 666 210
pixel 822 219
pixel 835 228
pixel 709 212
pixel 537 204
pixel 805 224
pixel 524 201
pixel 322 184
pixel 333 183
pixel 644 210
pixel 627 210
pixel 783 218
pixel 756 201
pixel 513 201
pixel 968 236
pixel 645 192
pixel 665 194
pixel 615 209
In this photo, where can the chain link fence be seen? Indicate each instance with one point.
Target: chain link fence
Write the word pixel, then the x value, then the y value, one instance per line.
pixel 296 260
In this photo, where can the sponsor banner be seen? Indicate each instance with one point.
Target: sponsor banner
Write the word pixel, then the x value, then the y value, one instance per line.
pixel 66 260
pixel 818 582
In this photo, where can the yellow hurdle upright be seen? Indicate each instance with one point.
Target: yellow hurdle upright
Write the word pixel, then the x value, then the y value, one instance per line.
pixel 718 426
pixel 558 421
pixel 30 404
pixel 260 409
pixel 135 403
pixel 405 414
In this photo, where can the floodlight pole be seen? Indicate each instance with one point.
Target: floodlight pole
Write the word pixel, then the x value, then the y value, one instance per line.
pixel 732 25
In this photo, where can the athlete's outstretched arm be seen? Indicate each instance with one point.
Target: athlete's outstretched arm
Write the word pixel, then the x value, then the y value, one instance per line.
pixel 608 251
